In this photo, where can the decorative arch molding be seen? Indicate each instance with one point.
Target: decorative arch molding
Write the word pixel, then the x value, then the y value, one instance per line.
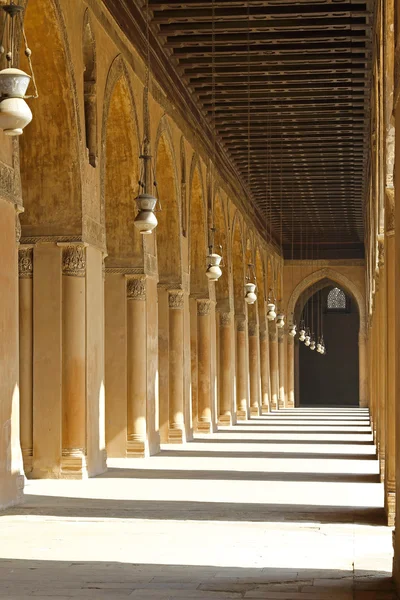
pixel 335 276
pixel 164 131
pixel 117 70
pixel 237 217
pixel 196 164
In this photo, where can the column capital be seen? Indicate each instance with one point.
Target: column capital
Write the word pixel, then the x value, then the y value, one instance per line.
pixel 73 259
pixel 225 319
pixel 281 335
pixel 176 299
pixel 240 322
pixel 136 287
pixel 253 329
pixel 290 340
pixel 203 307
pixel 25 263
pixel 263 333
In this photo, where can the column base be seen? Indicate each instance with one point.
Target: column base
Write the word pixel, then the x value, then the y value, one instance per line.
pixel 241 415
pixel 390 508
pixel 74 464
pixel 382 467
pixel 254 411
pixel 204 427
pixel 136 449
pixel 225 420
pixel 264 409
pixel 176 436
pixel 27 459
pixel 281 404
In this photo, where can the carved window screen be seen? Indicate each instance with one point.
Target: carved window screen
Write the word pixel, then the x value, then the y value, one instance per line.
pixel 337 301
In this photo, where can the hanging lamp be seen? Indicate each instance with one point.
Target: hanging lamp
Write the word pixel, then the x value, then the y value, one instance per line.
pixel 280 321
pixel 307 340
pixel 145 220
pixel 302 332
pixel 214 271
pixel 214 260
pixel 15 114
pixel 250 295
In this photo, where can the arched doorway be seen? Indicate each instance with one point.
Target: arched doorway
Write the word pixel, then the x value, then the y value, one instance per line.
pixel 328 278
pixel 331 379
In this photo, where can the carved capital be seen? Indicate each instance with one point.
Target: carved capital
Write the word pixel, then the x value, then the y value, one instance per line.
pixel 136 288
pixel 241 322
pixel 25 263
pixel 381 253
pixel 253 329
pixel 74 261
pixel 273 331
pixel 263 334
pixel 390 213
pixel 281 335
pixel 225 319
pixel 17 228
pixel 203 307
pixel 175 299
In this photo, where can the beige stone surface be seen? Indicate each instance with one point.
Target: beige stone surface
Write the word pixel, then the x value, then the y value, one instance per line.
pixel 286 506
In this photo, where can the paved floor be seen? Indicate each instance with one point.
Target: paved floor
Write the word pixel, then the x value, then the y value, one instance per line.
pixel 283 507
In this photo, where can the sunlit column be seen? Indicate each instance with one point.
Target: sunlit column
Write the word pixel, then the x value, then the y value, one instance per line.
pixel 290 371
pixel 176 362
pixel 241 368
pixel 204 423
pixel 74 413
pixel 264 368
pixel 25 271
pixel 254 369
pixel 274 363
pixel 136 362
pixel 282 367
pixel 225 368
pixel 390 459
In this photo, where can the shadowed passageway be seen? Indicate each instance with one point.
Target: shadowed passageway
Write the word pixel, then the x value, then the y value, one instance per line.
pixel 284 507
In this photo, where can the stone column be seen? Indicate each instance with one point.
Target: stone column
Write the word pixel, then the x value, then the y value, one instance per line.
pixel 74 410
pixel 362 369
pixel 290 371
pixel 264 368
pixel 254 370
pixel 382 361
pixel 274 363
pixel 176 432
pixel 241 369
pixel 204 423
pixel 225 369
pixel 282 367
pixel 25 272
pixel 136 366
pixel 390 459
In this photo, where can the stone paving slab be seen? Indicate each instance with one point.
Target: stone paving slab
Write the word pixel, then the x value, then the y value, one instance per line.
pixel 283 507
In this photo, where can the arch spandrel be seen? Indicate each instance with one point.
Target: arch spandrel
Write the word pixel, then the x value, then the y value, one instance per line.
pixel 197 230
pixel 52 195
pixel 221 239
pixel 117 71
pixel 168 229
pixel 335 277
pixel 238 260
pixel 121 161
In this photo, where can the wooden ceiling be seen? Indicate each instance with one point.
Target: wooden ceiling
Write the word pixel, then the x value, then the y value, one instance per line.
pixel 286 84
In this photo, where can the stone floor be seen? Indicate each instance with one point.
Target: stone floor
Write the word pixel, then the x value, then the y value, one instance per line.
pixel 283 507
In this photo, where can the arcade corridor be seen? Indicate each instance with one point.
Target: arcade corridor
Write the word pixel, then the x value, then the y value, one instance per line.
pixel 283 507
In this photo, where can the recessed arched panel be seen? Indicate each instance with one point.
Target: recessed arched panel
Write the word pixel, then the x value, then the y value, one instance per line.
pixel 124 243
pixel 220 247
pixel 197 236
pixel 90 90
pixel 49 148
pixel 168 229
pixel 238 258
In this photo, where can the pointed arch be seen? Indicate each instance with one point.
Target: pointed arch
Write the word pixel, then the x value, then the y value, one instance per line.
pixel 197 230
pixel 336 277
pixel 168 229
pixel 120 170
pixel 52 196
pixel 90 89
pixel 219 221
pixel 238 260
pixel 117 71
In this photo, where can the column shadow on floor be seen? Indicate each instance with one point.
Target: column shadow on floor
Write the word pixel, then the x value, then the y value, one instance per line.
pixel 109 580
